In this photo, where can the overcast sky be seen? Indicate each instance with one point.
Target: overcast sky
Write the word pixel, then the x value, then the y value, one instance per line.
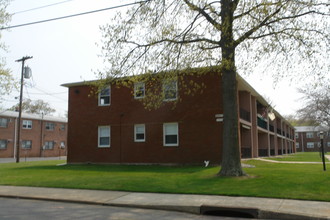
pixel 65 51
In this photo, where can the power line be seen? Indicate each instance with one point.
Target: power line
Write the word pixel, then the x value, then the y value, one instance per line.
pixel 74 15
pixel 45 6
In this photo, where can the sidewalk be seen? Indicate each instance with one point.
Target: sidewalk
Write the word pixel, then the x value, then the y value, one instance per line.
pixel 264 208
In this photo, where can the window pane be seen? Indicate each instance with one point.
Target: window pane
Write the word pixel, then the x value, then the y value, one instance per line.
pixel 171 139
pixel 104 141
pixel 139 136
pixel 171 129
pixel 3 144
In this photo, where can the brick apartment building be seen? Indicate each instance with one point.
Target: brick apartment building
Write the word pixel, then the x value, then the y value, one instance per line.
pixel 308 138
pixel 115 127
pixel 41 136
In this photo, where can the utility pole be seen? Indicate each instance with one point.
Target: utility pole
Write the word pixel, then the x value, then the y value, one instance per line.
pixel 20 107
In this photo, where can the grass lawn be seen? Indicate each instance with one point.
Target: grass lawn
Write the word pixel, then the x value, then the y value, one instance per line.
pixel 304 157
pixel 295 181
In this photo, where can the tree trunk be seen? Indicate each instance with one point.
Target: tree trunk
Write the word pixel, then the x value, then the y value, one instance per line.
pixel 231 158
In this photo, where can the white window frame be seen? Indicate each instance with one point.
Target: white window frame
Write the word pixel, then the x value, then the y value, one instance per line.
pixel 3 144
pixel 136 132
pixel 100 96
pixel 49 145
pixel 138 92
pixel 167 87
pixel 4 122
pixel 310 145
pixel 27 124
pixel 24 142
pixel 50 126
pixel 297 144
pixel 310 135
pixel 100 128
pixel 166 132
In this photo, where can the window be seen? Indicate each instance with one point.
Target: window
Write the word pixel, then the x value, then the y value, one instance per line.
pixel 171 134
pixel 297 145
pixel 62 127
pixel 50 126
pixel 310 144
pixel 139 90
pixel 328 144
pixel 309 135
pixel 62 145
pixel 139 133
pixel 27 124
pixel 26 144
pixel 3 122
pixel 49 145
pixel 104 136
pixel 170 90
pixel 296 135
pixel 3 144
pixel 104 97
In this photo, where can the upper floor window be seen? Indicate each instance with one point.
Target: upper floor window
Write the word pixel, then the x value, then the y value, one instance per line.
pixel 296 135
pixel 27 124
pixel 309 135
pixel 62 127
pixel 170 90
pixel 171 134
pixel 104 136
pixel 104 97
pixel 26 144
pixel 139 90
pixel 50 126
pixel 3 144
pixel 139 133
pixel 3 122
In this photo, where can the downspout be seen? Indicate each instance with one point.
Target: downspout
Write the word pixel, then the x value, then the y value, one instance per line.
pixel 15 137
pixel 41 133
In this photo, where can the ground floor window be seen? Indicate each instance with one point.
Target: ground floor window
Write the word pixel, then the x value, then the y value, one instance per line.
pixel 104 136
pixel 171 134
pixel 139 133
pixel 297 145
pixel 26 144
pixel 3 144
pixel 310 144
pixel 49 145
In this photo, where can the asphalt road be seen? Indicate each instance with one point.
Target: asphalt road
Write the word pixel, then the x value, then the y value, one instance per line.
pixel 17 209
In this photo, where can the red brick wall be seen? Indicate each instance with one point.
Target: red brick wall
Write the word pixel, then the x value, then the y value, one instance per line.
pixel 200 136
pixel 37 136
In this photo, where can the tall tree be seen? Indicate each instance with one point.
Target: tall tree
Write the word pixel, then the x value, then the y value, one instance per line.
pixel 166 35
pixel 35 107
pixel 7 81
pixel 316 104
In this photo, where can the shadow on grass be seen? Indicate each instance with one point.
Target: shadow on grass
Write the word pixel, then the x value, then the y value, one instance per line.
pixel 116 168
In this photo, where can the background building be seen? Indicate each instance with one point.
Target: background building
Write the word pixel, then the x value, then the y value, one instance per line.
pixel 308 138
pixel 41 135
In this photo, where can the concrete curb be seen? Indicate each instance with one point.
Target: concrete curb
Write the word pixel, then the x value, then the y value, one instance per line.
pixel 195 204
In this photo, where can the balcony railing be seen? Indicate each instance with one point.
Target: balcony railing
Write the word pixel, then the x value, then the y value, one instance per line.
pixel 262 123
pixel 244 114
